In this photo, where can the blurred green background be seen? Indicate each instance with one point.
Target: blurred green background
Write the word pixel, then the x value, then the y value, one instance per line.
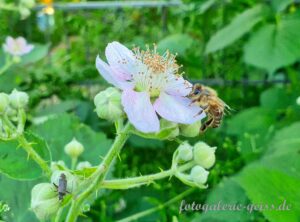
pixel 249 51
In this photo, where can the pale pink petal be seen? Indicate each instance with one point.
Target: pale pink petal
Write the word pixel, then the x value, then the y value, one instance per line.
pixel 178 86
pixel 109 76
pixel 121 59
pixel 28 48
pixel 140 111
pixel 177 109
pixel 10 42
pixel 21 42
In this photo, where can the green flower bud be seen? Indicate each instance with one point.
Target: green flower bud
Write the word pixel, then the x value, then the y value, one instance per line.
pixel 185 152
pixel 82 165
pixel 44 200
pixel 72 181
pixel 18 99
pixel 11 113
pixel 298 101
pixel 204 155
pixel 4 102
pixel 74 149
pixel 168 130
pixel 199 174
pixel 108 104
pixel 58 165
pixel 190 130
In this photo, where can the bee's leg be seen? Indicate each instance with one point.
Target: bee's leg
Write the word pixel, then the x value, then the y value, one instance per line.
pixel 55 185
pixel 203 108
pixel 206 125
pixel 199 113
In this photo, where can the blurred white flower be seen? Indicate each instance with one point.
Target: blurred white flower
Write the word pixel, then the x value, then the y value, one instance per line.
pixel 17 47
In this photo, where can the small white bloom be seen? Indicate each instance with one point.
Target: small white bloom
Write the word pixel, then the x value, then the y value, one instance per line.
pixel 17 47
pixel 199 174
pixel 74 149
pixel 204 155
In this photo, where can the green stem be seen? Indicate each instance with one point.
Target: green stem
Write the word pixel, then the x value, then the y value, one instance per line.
pixel 73 165
pixel 58 214
pixel 99 174
pixel 6 66
pixel 142 180
pixel 34 155
pixel 159 207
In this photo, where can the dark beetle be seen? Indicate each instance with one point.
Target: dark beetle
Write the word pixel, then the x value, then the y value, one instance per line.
pixel 62 187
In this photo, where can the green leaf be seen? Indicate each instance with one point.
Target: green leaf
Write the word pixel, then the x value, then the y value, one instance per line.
pixel 274 189
pixel 17 195
pixel 276 176
pixel 177 43
pixel 280 5
pixel 61 129
pixel 277 98
pixel 285 140
pixel 15 163
pixel 240 25
pixel 252 127
pixel 39 52
pixel 274 46
pixel 227 192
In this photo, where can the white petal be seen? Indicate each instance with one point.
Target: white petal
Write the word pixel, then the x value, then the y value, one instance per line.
pixel 121 58
pixel 178 86
pixel 177 109
pixel 140 111
pixel 109 76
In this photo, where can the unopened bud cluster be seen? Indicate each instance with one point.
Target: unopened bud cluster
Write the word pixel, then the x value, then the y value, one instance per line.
pixel 12 115
pixel 203 157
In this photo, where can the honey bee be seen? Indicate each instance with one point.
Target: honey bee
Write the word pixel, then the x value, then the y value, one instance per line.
pixel 207 98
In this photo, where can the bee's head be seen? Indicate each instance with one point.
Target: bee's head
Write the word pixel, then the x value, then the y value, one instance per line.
pixel 196 91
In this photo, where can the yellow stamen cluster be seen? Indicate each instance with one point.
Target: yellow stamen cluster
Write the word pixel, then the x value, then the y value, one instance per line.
pixel 156 62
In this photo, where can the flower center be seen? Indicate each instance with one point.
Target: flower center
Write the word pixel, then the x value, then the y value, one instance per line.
pixel 154 70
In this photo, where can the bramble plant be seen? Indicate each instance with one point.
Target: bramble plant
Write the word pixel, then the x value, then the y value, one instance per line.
pixel 149 99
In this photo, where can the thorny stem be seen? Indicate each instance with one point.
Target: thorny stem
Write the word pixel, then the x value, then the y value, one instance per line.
pixel 159 207
pixel 27 146
pixel 99 174
pixel 141 180
pixel 34 155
